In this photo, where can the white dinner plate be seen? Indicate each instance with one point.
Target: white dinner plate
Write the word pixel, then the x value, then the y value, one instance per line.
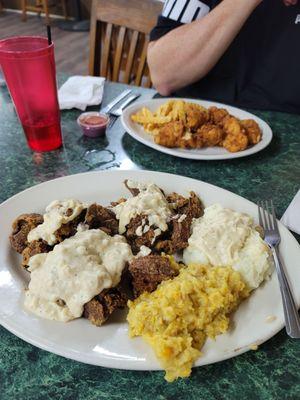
pixel 109 345
pixel 210 153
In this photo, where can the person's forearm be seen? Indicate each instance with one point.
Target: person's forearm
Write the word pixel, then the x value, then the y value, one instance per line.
pixel 189 52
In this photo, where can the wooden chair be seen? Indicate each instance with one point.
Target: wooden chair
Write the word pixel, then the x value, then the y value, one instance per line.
pixel 41 6
pixel 119 37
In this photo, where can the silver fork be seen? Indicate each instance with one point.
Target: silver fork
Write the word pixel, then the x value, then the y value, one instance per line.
pixel 267 219
pixel 114 115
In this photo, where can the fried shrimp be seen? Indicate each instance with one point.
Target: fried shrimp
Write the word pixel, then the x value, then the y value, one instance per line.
pixel 232 126
pixel 170 134
pixel 234 143
pixel 195 116
pixel 210 135
pixel 187 125
pixel 236 138
pixel 217 114
pixel 252 129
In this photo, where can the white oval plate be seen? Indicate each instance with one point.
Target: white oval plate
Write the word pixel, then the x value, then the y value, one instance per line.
pixel 109 345
pixel 210 153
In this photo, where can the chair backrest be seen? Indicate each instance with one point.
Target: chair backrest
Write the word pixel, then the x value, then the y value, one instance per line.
pixel 119 37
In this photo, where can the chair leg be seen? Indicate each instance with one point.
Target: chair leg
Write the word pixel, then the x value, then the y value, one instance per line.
pixel 40 6
pixel 64 7
pixel 46 11
pixel 24 16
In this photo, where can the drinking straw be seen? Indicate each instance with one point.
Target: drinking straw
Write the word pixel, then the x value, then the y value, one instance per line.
pixel 49 34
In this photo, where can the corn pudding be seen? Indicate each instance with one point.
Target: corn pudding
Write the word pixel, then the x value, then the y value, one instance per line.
pixel 181 313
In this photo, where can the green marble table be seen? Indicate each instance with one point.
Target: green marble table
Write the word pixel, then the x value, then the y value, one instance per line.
pixel 271 372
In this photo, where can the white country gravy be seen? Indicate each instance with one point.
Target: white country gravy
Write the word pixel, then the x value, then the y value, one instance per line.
pixel 150 201
pixel 75 271
pixel 57 213
pixel 223 237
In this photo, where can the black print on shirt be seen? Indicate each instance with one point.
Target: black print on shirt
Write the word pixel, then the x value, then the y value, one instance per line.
pixel 185 11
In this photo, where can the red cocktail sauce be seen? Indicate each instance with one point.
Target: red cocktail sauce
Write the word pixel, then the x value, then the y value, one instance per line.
pixel 93 120
pixel 93 124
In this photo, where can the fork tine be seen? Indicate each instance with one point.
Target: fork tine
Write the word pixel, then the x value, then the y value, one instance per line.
pixel 274 216
pixel 111 121
pixel 270 220
pixel 260 220
pixel 114 121
pixel 265 222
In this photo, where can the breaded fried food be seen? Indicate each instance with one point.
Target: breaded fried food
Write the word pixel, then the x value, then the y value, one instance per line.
pixel 217 115
pixel 234 143
pixel 187 125
pixel 236 138
pixel 170 134
pixel 232 126
pixel 188 141
pixel 20 229
pixel 252 129
pixel 210 135
pixel 195 116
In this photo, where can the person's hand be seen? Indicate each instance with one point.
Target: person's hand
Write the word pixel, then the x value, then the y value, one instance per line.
pixel 290 2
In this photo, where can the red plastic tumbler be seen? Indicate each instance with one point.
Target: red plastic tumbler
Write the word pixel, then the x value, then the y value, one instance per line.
pixel 29 69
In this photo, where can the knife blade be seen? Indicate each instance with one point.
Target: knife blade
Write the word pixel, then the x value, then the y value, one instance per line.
pixel 115 101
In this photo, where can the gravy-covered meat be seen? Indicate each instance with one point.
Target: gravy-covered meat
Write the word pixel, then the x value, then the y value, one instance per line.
pixel 181 230
pixel 193 208
pixel 61 218
pixel 102 306
pixel 33 248
pixel 20 229
pixel 133 190
pixel 147 273
pixel 98 217
pixel 180 233
pixel 176 200
pixel 144 217
pixel 115 203
pixel 139 233
pixel 180 226
pixel 70 228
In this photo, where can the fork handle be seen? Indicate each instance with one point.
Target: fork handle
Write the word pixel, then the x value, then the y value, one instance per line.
pixel 292 320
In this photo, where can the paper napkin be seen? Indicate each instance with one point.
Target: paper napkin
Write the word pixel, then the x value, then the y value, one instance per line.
pixel 291 217
pixel 80 92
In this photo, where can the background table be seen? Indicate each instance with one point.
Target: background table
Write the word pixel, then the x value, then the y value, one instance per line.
pixel 271 372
